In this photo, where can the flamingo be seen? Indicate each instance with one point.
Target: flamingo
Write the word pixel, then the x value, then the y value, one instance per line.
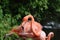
pixel 29 28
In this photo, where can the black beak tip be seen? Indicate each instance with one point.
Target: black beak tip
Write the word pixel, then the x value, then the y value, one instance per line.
pixel 5 36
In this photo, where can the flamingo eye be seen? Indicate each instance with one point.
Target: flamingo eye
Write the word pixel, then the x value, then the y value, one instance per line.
pixel 22 27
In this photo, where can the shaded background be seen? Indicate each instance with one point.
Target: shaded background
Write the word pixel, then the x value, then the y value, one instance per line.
pixel 47 12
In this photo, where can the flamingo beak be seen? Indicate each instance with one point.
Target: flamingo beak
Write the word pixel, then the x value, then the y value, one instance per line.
pixel 7 35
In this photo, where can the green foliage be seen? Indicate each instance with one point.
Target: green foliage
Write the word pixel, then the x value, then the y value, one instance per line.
pixel 12 12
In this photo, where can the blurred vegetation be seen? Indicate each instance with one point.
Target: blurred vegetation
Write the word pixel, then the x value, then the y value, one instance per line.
pixel 12 12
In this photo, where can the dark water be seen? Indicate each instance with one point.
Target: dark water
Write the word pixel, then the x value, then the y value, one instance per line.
pixel 52 27
pixel 56 33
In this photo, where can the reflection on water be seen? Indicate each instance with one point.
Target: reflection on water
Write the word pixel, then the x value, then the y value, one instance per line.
pixel 51 25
